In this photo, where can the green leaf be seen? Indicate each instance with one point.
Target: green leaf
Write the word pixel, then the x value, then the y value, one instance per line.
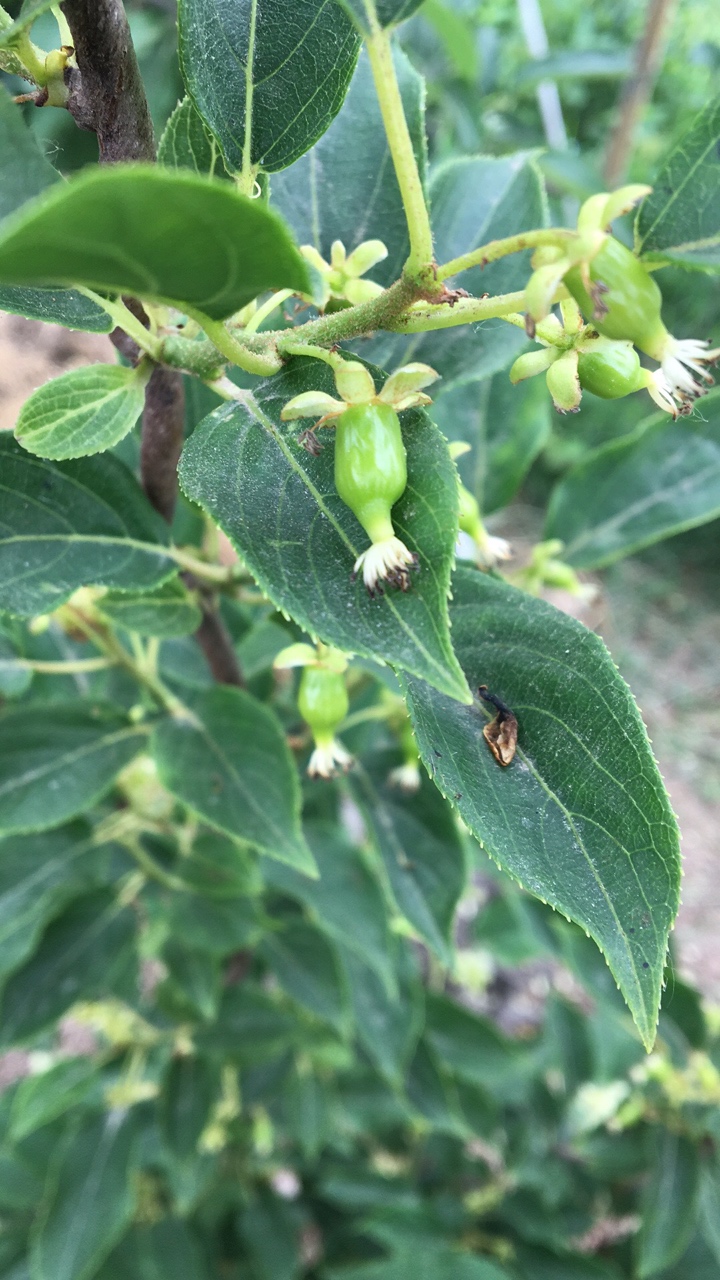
pixel 38 876
pixel 220 868
pixel 278 505
pixel 345 188
pixel 189 1089
pixel 15 678
pixel 307 968
pixel 230 764
pixel 680 220
pixel 84 411
pixel 218 926
pixel 710 1205
pixel 422 852
pixel 506 426
pixel 145 231
pixel 439 1262
pixel 74 524
pixel 88 953
pixel 663 478
pixel 250 1027
pixel 388 1024
pixel 24 174
pixel 57 760
pixel 389 12
pixel 284 76
pixel 345 901
pixel 187 144
pixel 42 1098
pixel 169 610
pixel 670 1204
pixel 469 1045
pixel 474 200
pixel 94 1199
pixel 580 818
pixel 30 11
pixel 167 1250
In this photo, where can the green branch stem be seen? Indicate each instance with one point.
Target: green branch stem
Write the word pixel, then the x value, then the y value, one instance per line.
pixel 125 320
pixel 496 249
pixel 380 53
pixel 69 668
pixel 262 362
pixel 428 316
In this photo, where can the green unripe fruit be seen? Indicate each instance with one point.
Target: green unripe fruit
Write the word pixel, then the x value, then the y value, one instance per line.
pixel 633 299
pixel 370 465
pixel 322 701
pixel 469 512
pixel 609 369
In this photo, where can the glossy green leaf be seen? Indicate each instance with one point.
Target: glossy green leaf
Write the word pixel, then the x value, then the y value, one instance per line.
pixel 230 764
pixel 170 610
pixel 57 760
pixel 474 200
pixel 93 1202
pixel 42 1098
pixel 389 12
pixel 73 524
pixel 24 174
pixel 188 144
pixel 345 188
pixel 307 968
pixel 286 71
pixel 346 900
pixel 680 220
pixel 421 850
pixel 87 953
pixel 84 411
pixel 663 478
pixel 38 876
pixel 279 506
pixel 506 426
pixel 670 1204
pixel 190 1087
pixel 580 818
pixel 165 235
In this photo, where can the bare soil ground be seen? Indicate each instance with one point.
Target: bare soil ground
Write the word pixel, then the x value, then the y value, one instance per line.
pixel 658 613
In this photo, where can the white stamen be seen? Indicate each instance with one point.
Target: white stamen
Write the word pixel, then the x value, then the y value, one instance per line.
pixel 682 358
pixel 406 778
pixel 388 561
pixel 328 759
pixel 492 551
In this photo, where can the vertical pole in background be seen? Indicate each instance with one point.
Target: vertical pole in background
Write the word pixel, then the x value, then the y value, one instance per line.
pixel 548 97
pixel 637 90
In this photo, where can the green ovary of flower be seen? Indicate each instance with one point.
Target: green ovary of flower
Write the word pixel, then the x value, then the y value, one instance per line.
pixel 323 704
pixel 370 466
pixel 610 369
pixel 627 302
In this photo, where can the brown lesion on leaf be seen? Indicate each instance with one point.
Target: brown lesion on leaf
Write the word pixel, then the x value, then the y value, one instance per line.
pixel 501 733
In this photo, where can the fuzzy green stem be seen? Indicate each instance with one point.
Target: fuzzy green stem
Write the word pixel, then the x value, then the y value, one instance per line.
pixel 423 319
pixel 379 49
pixel 252 362
pixel 153 868
pixel 69 668
pixel 501 248
pixel 125 320
pixel 317 353
pixel 224 575
pixel 108 643
pixel 246 180
pixel 267 309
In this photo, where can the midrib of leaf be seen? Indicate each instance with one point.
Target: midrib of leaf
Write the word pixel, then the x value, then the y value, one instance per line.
pixel 249 91
pixel 35 881
pixel 266 422
pixel 93 407
pixel 69 757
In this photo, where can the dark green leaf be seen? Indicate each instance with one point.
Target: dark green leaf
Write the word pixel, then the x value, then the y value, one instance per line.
pixel 284 76
pixel 279 506
pixel 506 426
pixel 663 478
pixel 389 12
pixel 580 818
pixel 307 968
pixel 388 1025
pixel 680 221
pixel 189 1090
pixel 250 1027
pixel 56 760
pixel 220 868
pixel 470 1046
pixel 474 200
pixel 710 1205
pixel 670 1204
pixel 15 676
pixel 422 852
pixel 346 900
pixel 187 144
pixel 38 876
pixel 42 1098
pixel 346 188
pixel 170 610
pixel 218 926
pixel 73 524
pixel 84 411
pixel 230 764
pixel 305 1104
pixel 193 985
pixel 87 953
pixel 94 1200
pixel 56 306
pixel 432 1093
pixel 167 1250
pixel 270 1233
pixel 161 234
pixel 577 64
pixel 439 1262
